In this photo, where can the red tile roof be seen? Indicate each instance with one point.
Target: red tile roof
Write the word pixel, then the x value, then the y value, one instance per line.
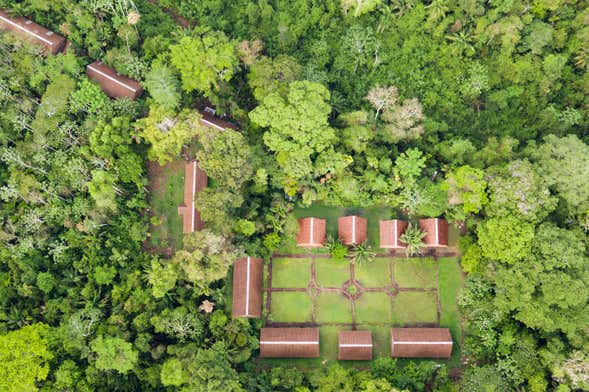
pixel 355 345
pixel 421 343
pixel 436 232
pixel 247 287
pixel 311 232
pixel 352 229
pixel 390 233
pixel 195 180
pixel 113 84
pixel 52 42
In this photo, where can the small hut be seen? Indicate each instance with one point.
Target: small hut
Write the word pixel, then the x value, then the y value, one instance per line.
pixel 52 42
pixel 113 84
pixel 289 343
pixel 247 287
pixel 421 343
pixel 210 120
pixel 352 229
pixel 355 345
pixel 195 180
pixel 390 233
pixel 436 232
pixel 311 233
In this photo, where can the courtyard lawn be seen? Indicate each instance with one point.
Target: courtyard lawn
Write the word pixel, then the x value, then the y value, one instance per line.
pixel 332 273
pixel 291 273
pixel 373 308
pixel 333 308
pixel 166 187
pixel 375 273
pixel 416 272
pixel 290 307
pixel 415 307
pixel 328 340
pixel 451 281
pixel 381 340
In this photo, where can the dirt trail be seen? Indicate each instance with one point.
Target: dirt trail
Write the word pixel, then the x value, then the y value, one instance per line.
pixel 182 21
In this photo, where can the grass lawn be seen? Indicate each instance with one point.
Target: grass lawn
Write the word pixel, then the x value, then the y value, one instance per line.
pixel 375 273
pixel 332 273
pixel 373 308
pixel 288 306
pixel 416 272
pixel 333 308
pixel 166 186
pixel 381 342
pixel 414 307
pixel 451 281
pixel 291 273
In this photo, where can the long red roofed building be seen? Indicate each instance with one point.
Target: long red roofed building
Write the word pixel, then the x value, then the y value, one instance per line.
pixel 355 345
pixel 113 84
pixel 195 180
pixel 289 343
pixel 421 343
pixel 247 287
pixel 52 43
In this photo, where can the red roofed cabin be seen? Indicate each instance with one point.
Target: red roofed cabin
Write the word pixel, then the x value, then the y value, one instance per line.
pixel 355 345
pixel 247 287
pixel 352 229
pixel 113 84
pixel 390 233
pixel 311 233
pixel 195 180
pixel 436 232
pixel 421 343
pixel 289 343
pixel 210 120
pixel 53 43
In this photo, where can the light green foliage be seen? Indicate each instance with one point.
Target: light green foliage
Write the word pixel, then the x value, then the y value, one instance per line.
pixel 467 187
pixel 484 379
pixel 163 86
pixel 574 371
pixel 204 258
pixel 168 132
pixel 24 358
pixel 298 129
pixel 204 60
pixel 245 227
pixel 267 75
pixel 180 323
pixel 506 239
pixel 162 278
pixel 114 354
pixel 102 190
pixel 563 163
pixel 45 282
pixel 519 190
pixel 104 274
pixel 358 7
pixel 225 157
pixel 88 98
pixel 172 373
pixel 408 166
pixel 413 238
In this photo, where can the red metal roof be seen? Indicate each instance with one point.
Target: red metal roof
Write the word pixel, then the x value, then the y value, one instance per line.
pixel 195 180
pixel 289 342
pixel 52 42
pixel 355 345
pixel 436 232
pixel 390 233
pixel 247 287
pixel 211 120
pixel 113 84
pixel 311 232
pixel 352 229
pixel 421 343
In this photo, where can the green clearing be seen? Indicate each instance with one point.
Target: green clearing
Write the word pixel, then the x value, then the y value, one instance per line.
pixel 375 273
pixel 332 273
pixel 333 308
pixel 373 308
pixel 291 307
pixel 414 307
pixel 166 194
pixel 451 281
pixel 291 273
pixel 416 272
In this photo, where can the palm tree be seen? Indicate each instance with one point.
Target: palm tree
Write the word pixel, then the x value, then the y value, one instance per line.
pixel 362 254
pixel 413 237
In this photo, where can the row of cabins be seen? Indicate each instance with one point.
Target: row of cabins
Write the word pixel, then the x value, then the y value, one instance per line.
pixel 356 345
pixel 304 342
pixel 353 230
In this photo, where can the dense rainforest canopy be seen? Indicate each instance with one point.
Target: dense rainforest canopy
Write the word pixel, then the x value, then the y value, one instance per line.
pixel 473 110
